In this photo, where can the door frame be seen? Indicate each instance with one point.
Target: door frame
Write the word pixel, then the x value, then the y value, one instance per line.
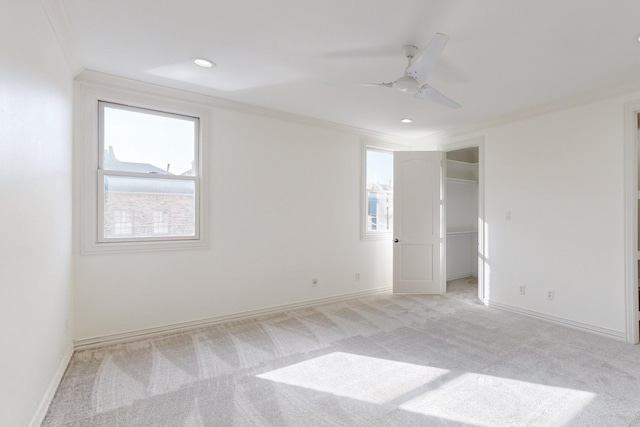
pixel 631 192
pixel 484 283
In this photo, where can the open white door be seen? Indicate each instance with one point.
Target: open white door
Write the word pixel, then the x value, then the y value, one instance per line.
pixel 417 211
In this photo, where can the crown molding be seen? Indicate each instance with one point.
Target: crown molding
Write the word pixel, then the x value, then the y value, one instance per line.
pixel 96 78
pixel 57 14
pixel 626 88
pixel 614 91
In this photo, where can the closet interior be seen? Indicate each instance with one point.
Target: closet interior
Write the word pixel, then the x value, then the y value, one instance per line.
pixel 462 213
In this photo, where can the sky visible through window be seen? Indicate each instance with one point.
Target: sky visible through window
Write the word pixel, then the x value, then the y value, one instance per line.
pixel 379 166
pixel 150 138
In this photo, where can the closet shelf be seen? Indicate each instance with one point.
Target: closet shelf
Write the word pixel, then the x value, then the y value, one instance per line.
pixel 460 162
pixel 460 233
pixel 463 181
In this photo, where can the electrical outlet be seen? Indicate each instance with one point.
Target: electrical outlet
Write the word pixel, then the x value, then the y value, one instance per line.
pixel 314 282
pixel 550 294
pixel 357 276
pixel 507 215
pixel 522 290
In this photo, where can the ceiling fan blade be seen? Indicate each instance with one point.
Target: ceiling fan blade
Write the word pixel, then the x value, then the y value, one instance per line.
pixel 360 84
pixel 430 94
pixel 424 63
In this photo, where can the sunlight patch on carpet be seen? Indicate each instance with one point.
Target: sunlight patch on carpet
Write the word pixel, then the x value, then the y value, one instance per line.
pixel 463 397
pixel 358 377
pixel 487 400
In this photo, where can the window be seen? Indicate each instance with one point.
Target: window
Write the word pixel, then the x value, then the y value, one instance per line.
pixel 120 223
pixel 160 222
pixel 378 192
pixel 148 178
pixel 142 167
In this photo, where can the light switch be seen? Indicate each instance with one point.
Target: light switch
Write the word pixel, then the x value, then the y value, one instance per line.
pixel 507 215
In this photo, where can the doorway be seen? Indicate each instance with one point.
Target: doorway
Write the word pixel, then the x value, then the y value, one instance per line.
pixel 430 265
pixel 464 227
pixel 461 213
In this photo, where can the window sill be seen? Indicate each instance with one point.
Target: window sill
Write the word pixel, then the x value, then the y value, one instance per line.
pixel 377 236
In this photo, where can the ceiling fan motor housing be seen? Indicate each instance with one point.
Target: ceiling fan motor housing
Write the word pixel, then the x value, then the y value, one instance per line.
pixel 406 84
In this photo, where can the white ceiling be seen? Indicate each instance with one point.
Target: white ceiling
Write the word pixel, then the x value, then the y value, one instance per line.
pixel 504 57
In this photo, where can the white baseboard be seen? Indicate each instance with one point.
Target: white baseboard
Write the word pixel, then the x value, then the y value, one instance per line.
pixel 558 320
pixel 38 417
pixel 186 326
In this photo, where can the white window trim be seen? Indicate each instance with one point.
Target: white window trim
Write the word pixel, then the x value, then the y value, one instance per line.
pixel 369 144
pixel 89 175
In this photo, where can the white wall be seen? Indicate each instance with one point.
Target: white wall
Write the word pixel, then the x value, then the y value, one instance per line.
pixel 35 219
pixel 561 176
pixel 284 208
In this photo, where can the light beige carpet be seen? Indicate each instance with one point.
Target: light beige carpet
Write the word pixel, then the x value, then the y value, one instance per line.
pixel 388 360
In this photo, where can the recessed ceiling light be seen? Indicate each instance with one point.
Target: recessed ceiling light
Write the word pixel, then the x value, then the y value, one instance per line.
pixel 204 62
pixel 406 120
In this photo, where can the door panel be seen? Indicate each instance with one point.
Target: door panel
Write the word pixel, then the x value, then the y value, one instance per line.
pixel 417 264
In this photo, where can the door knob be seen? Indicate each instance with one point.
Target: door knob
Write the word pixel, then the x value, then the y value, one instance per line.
pixel 396 240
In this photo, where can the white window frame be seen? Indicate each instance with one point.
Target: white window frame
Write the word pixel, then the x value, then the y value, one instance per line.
pixel 373 145
pixel 89 182
pixel 102 172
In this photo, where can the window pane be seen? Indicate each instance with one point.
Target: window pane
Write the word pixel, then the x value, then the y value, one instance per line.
pixel 148 207
pixel 161 222
pixel 122 222
pixel 379 191
pixel 148 142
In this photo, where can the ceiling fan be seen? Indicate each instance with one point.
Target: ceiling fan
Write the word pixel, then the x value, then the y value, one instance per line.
pixel 415 75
